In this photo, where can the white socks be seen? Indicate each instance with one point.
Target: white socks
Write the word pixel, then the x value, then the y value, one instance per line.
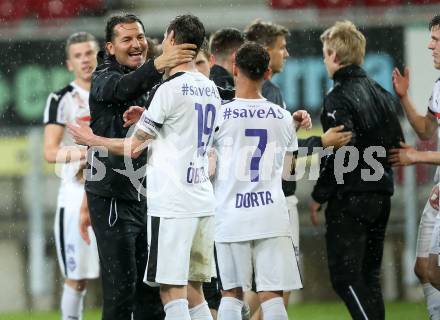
pixel 177 310
pixel 274 309
pixel 246 311
pixel 230 309
pixel 200 312
pixel 432 296
pixel 72 303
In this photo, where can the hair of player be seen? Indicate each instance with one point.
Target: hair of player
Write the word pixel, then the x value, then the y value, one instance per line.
pixel 204 49
pixel 435 21
pixel 114 20
pixel 80 37
pixel 253 60
pixel 264 32
pixel 154 48
pixel 225 41
pixel 347 41
pixel 187 29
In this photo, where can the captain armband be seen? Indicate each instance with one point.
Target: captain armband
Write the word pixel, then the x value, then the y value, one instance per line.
pixel 149 126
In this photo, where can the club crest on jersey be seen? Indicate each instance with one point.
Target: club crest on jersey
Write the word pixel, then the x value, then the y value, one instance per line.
pixel 71 264
pixel 79 101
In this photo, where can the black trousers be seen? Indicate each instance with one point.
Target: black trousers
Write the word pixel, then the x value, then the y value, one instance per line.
pixel 120 228
pixel 355 235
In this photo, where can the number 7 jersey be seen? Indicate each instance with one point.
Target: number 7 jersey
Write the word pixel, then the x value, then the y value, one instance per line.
pixel 181 116
pixel 251 139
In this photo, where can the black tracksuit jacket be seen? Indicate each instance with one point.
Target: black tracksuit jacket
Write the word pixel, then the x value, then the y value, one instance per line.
pixel 370 112
pixel 114 89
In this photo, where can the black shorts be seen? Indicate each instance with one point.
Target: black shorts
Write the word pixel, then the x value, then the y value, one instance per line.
pixel 120 228
pixel 212 293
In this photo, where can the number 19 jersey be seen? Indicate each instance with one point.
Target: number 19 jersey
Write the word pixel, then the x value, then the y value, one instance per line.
pixel 251 140
pixel 181 116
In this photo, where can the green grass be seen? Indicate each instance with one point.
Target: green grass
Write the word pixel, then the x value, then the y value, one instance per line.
pixel 337 311
pixel 303 311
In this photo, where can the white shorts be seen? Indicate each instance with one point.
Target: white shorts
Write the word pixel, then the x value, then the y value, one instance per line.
pixel 272 261
pixel 292 202
pixel 76 258
pixel 435 239
pixel 181 250
pixel 426 228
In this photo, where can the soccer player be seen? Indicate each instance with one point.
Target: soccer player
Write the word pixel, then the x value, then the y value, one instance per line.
pixel 223 45
pixel 253 234
pixel 425 126
pixel 117 208
pixel 78 261
pixel 178 128
pixel 203 59
pixel 274 38
pixel 211 289
pixel 358 204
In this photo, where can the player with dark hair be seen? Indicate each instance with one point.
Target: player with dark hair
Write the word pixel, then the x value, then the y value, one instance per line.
pixel 203 59
pixel 427 262
pixel 223 44
pixel 253 234
pixel 117 209
pixel 78 261
pixel 274 38
pixel 177 127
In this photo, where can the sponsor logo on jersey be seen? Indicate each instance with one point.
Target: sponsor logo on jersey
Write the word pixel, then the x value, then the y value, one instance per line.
pixel 85 118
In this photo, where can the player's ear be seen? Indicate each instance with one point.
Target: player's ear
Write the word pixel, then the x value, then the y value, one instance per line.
pixel 110 48
pixel 170 36
pixel 69 65
pixel 334 58
pixel 267 74
pixel 232 56
pixel 234 70
pixel 212 60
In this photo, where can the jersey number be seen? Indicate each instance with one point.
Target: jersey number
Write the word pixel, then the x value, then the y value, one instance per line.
pixel 256 157
pixel 205 125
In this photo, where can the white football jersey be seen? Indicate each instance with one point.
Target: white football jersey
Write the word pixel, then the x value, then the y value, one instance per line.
pixel 434 109
pixel 67 105
pixel 181 116
pixel 251 141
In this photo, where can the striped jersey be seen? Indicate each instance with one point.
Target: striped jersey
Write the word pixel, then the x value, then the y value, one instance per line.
pixel 64 106
pixel 434 109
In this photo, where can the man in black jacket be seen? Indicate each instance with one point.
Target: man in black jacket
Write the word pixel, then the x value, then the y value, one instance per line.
pixel 117 209
pixel 358 191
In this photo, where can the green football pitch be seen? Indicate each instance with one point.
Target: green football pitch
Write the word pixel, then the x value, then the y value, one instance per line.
pixel 303 311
